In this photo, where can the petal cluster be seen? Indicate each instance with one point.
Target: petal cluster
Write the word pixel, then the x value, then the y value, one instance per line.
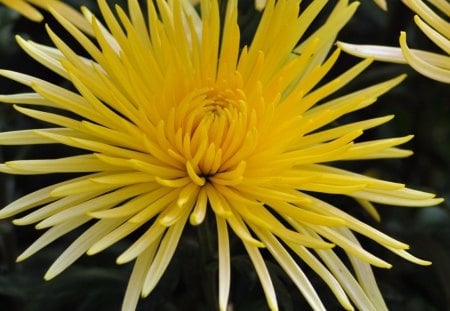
pixel 434 25
pixel 178 121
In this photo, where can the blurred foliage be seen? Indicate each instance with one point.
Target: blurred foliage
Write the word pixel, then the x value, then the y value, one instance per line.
pixel 421 107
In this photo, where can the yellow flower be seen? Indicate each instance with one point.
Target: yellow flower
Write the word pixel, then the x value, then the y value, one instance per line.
pixel 24 8
pixel 177 119
pixel 432 65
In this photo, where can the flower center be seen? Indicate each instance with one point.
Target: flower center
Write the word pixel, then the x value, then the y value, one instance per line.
pixel 210 132
pixel 221 103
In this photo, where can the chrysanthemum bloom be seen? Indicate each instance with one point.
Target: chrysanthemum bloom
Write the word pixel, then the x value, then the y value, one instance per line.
pixel 177 119
pixel 433 65
pixel 27 10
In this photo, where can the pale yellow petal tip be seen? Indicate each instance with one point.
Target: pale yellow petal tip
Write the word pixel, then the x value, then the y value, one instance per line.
pixel 48 276
pixel 17 222
pixel 39 226
pixel 402 77
pixel 431 202
pixel 382 4
pixel 438 201
pixel 95 249
pixel 418 261
pixel 195 219
pixel 324 245
pixel 393 83
pixel 52 272
pixel 19 39
pixel 260 4
pixel 407 153
pixel 417 19
pixel 424 263
pixel 123 260
pixel 376 217
pixel 36 17
pixel 21 258
pixel 146 290
pixel 44 224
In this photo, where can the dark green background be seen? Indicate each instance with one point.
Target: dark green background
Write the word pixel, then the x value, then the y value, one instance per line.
pixel 421 106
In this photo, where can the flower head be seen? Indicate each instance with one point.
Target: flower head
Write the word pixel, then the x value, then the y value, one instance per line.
pixel 433 65
pixel 176 118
